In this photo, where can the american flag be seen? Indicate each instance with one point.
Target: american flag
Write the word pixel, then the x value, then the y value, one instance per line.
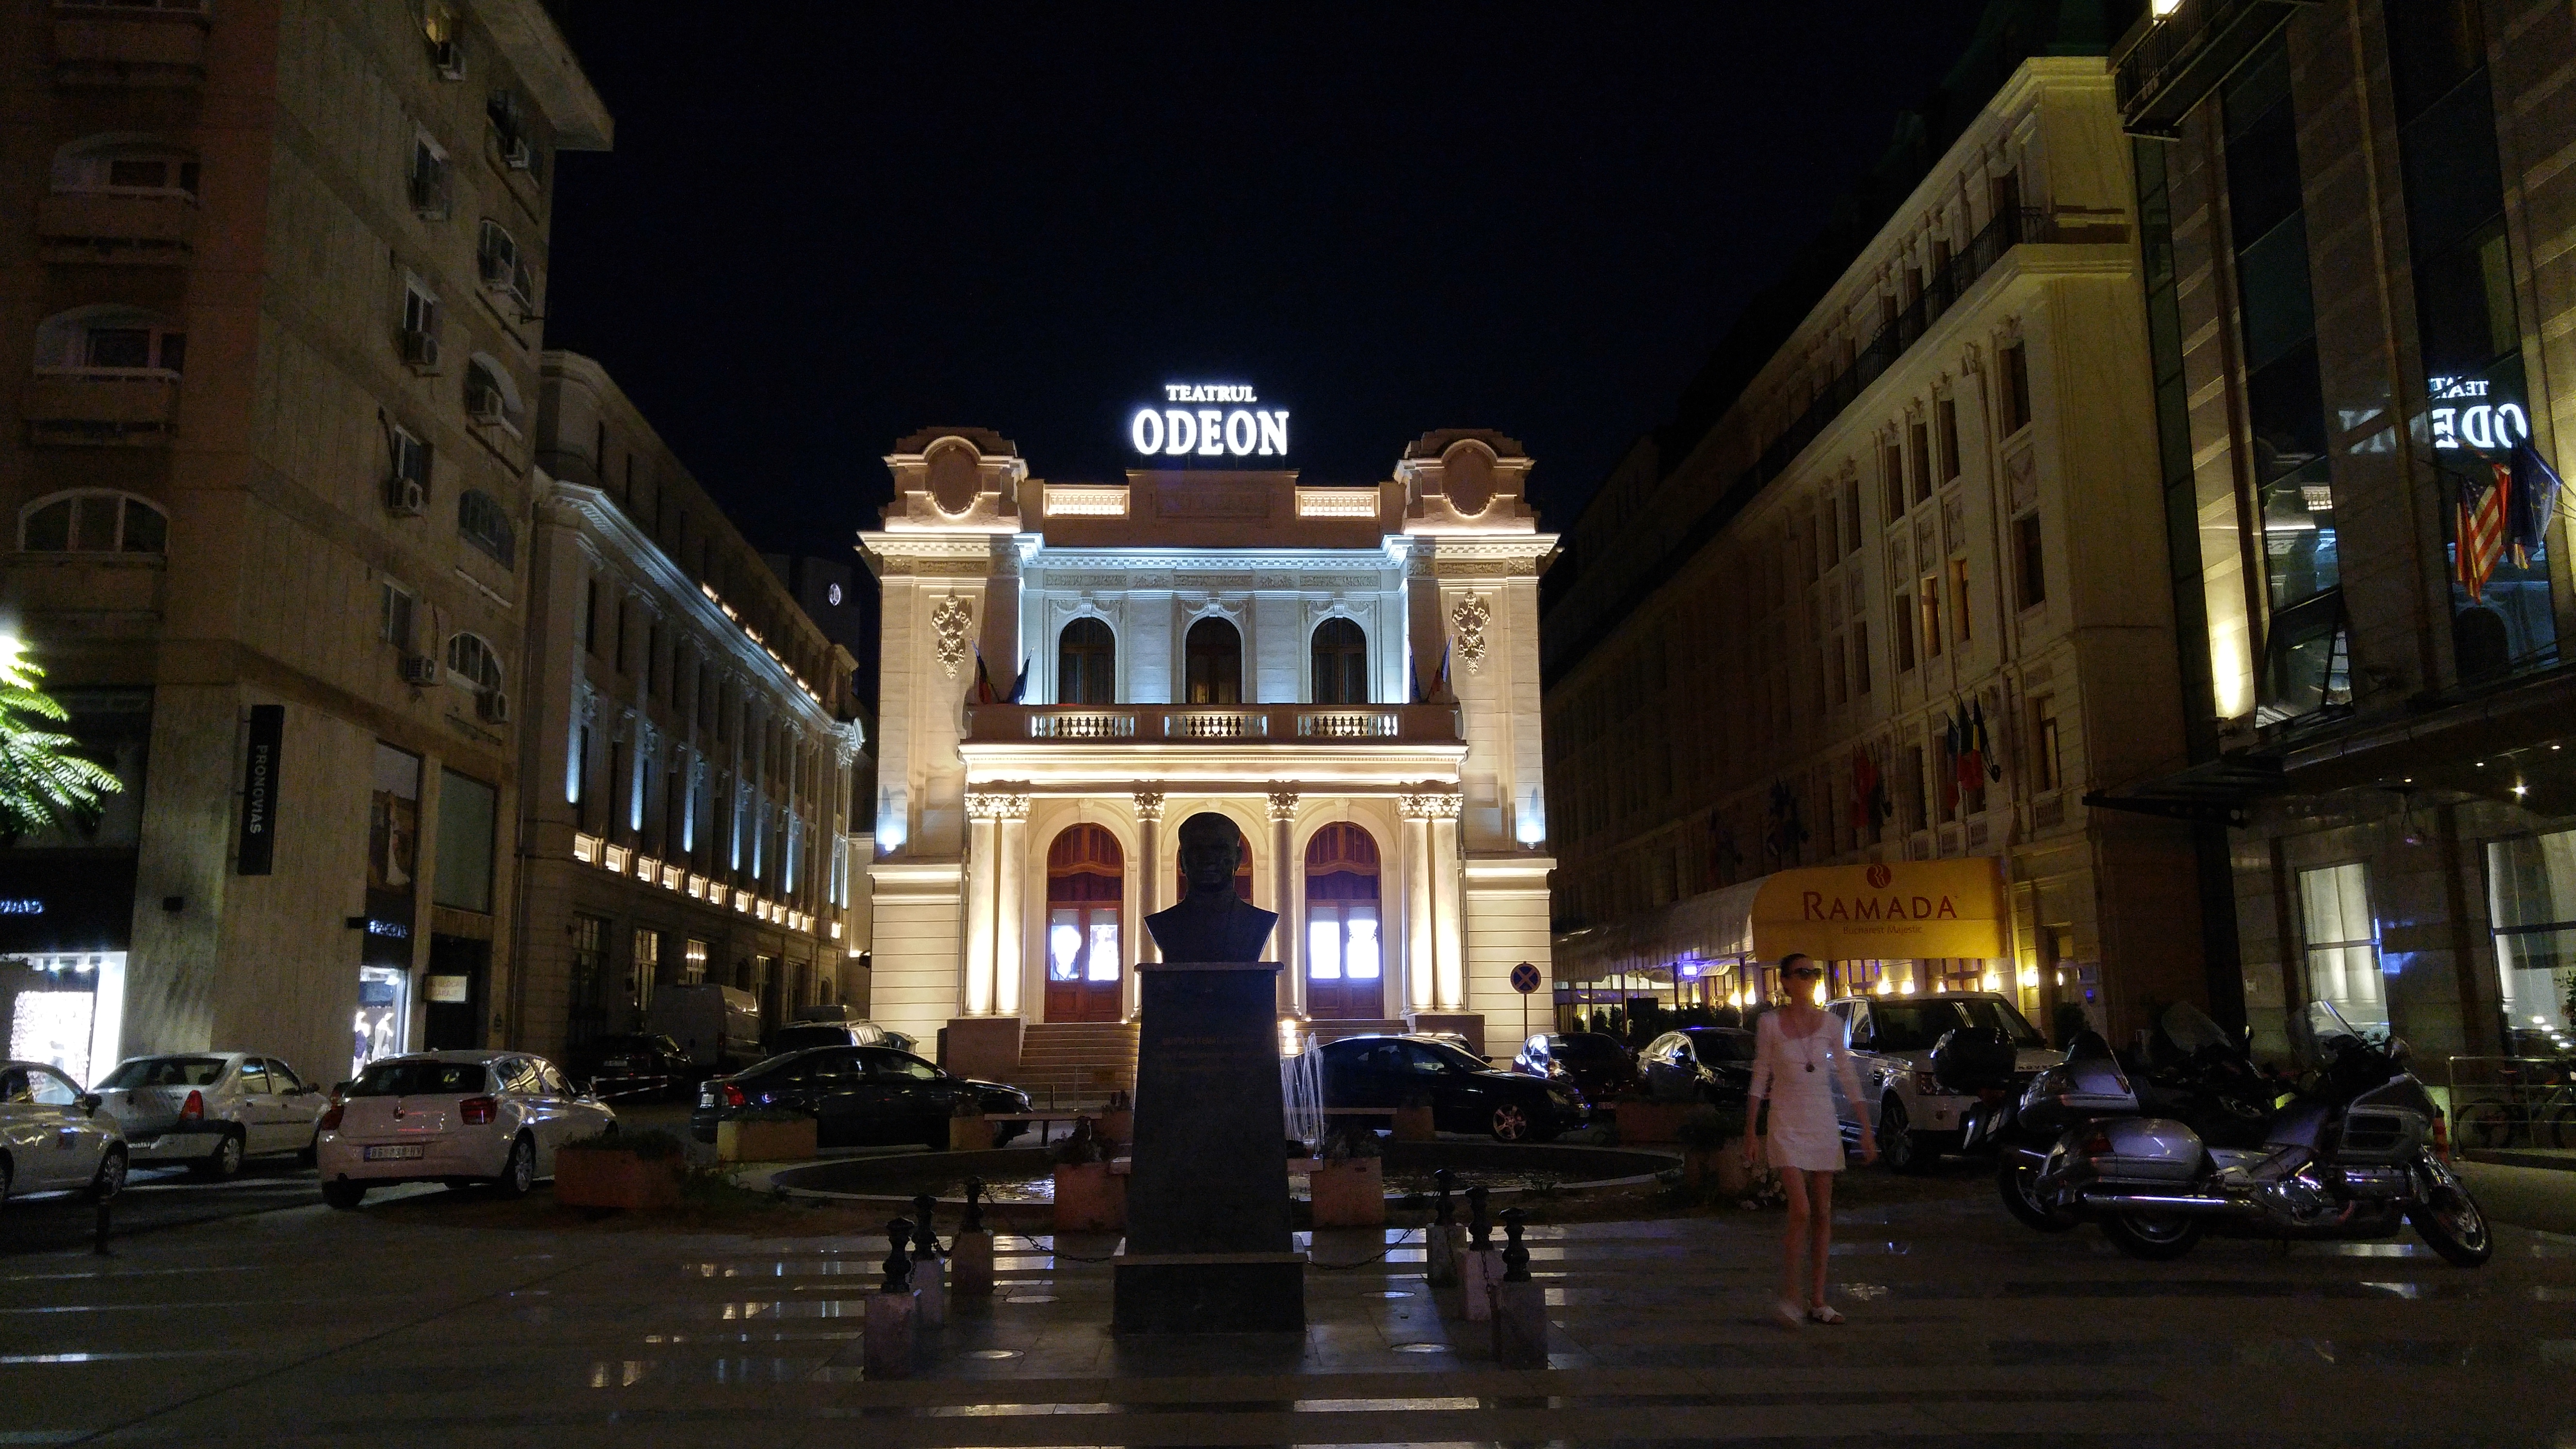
pixel 2481 528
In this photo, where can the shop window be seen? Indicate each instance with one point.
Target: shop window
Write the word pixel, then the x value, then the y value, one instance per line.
pixel 2012 361
pixel 2048 772
pixel 110 342
pixel 93 520
pixel 2531 896
pixel 1086 663
pixel 1213 656
pixel 2030 564
pixel 1340 661
pixel 484 523
pixel 2343 944
pixel 384 1015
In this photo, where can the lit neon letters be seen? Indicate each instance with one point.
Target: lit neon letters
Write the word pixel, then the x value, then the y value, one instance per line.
pixel 1209 432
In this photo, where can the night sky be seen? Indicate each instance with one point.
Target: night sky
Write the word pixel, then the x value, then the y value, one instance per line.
pixel 841 223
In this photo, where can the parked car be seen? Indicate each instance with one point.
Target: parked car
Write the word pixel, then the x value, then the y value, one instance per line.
pixel 836 1033
pixel 857 1095
pixel 212 1110
pixel 1892 1038
pixel 632 1064
pixel 1698 1064
pixel 1466 1095
pixel 1597 1063
pixel 718 1026
pixel 454 1117
pixel 53 1138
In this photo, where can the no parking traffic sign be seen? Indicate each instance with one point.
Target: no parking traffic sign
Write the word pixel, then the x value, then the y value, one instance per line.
pixel 1525 978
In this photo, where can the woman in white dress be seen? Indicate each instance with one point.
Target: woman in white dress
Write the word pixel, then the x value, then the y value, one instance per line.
pixel 1795 1050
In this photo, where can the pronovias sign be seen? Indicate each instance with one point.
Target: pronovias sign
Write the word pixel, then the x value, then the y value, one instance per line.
pixel 1234 431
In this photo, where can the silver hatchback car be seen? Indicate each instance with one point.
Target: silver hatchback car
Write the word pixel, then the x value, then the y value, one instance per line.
pixel 211 1110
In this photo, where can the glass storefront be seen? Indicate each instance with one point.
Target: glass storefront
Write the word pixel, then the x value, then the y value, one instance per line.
pixel 2531 901
pixel 384 1011
pixel 66 1010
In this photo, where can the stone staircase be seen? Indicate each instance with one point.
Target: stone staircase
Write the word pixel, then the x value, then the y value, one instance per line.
pixel 1066 1063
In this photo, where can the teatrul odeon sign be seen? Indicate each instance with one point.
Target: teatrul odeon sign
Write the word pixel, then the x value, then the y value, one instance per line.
pixel 2463 414
pixel 1200 431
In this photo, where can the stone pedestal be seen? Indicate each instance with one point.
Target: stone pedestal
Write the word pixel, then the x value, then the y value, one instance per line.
pixel 930 1289
pixel 887 1345
pixel 970 1265
pixel 1208 1228
pixel 1442 1246
pixel 1520 1323
pixel 1477 1275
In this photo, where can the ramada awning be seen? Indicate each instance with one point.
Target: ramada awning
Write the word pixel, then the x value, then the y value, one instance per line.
pixel 1907 910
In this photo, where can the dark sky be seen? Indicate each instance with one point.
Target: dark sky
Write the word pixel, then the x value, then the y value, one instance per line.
pixel 836 224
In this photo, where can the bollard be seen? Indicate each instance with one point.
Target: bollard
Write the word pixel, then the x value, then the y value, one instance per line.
pixel 1440 1240
pixel 1519 1305
pixel 929 1273
pixel 98 1242
pixel 970 1251
pixel 1479 1269
pixel 887 1346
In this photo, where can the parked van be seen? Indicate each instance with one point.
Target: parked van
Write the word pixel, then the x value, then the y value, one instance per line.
pixel 718 1026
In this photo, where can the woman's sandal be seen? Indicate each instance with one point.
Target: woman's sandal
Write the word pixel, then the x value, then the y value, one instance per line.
pixel 1821 1314
pixel 1787 1315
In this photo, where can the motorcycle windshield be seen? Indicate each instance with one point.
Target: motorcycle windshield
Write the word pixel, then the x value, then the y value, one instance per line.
pixel 2323 1035
pixel 2190 1028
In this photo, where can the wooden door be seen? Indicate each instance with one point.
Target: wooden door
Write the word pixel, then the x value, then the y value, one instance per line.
pixel 1345 949
pixel 1085 932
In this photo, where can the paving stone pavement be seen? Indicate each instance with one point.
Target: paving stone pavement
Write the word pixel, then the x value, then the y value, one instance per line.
pixel 308 1327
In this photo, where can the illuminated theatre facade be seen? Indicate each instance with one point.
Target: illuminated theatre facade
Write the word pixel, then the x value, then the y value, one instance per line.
pixel 1207 635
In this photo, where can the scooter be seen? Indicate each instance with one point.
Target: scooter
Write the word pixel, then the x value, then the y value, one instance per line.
pixel 2354 1153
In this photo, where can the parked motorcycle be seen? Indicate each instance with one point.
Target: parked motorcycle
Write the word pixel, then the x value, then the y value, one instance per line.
pixel 2349 1155
pixel 2089 1086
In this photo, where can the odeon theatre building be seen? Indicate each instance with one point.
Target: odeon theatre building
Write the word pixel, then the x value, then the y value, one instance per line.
pixel 1349 673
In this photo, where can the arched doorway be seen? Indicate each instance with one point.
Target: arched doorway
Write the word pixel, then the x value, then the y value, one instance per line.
pixel 1340 658
pixel 1345 951
pixel 1086 881
pixel 1086 663
pixel 1213 654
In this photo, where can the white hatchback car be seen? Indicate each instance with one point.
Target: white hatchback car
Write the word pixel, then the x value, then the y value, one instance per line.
pixel 211 1110
pixel 453 1117
pixel 52 1136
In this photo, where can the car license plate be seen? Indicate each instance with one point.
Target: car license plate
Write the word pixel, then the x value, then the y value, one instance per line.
pixel 396 1153
pixel 706 1099
pixel 614 1064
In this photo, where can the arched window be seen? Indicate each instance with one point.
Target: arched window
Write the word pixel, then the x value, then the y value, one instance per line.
pixel 1213 652
pixel 491 394
pixel 1086 885
pixel 124 164
pixel 472 660
pixel 93 520
pixel 1344 949
pixel 1242 870
pixel 484 523
pixel 1086 663
pixel 109 342
pixel 1341 663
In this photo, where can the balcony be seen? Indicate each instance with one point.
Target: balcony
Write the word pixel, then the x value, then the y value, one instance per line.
pixel 1252 724
pixel 154 229
pixel 2169 63
pixel 102 406
pixel 130 43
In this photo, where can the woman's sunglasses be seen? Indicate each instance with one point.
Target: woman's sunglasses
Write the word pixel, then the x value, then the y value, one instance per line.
pixel 1807 973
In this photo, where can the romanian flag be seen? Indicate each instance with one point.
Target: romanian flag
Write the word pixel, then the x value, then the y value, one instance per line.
pixel 2480 528
pixel 983 682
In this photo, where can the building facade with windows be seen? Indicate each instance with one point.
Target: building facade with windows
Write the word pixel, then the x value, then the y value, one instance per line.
pixel 1902 600
pixel 2356 220
pixel 1348 673
pixel 272 270
pixel 691 770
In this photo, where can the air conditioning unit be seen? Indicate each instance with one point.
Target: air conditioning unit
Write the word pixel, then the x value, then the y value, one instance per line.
pixel 493 706
pixel 405 498
pixel 483 404
pixel 420 351
pixel 449 58
pixel 518 155
pixel 420 670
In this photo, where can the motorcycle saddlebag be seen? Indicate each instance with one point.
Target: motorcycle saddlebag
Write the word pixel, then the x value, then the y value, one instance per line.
pixel 2144 1149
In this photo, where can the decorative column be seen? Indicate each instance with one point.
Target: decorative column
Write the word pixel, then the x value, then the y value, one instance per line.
pixel 1448 919
pixel 1418 979
pixel 1149 886
pixel 1290 930
pixel 983 849
pixel 1010 923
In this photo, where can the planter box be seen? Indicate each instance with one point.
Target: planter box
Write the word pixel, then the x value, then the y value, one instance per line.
pixel 1413 1124
pixel 765 1141
pixel 1716 1169
pixel 1642 1121
pixel 1090 1199
pixel 969 1134
pixel 616 1180
pixel 1349 1194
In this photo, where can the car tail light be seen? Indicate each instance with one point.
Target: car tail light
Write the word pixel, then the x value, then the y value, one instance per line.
pixel 331 1119
pixel 2098 1145
pixel 195 1110
pixel 479 1111
pixel 732 1095
pixel 2441 1137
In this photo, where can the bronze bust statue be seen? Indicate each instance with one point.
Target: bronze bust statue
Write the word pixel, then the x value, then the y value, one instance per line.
pixel 1211 923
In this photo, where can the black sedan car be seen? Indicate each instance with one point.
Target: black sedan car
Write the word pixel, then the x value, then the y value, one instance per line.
pixel 631 1065
pixel 1466 1095
pixel 858 1096
pixel 1599 1064
pixel 1698 1064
